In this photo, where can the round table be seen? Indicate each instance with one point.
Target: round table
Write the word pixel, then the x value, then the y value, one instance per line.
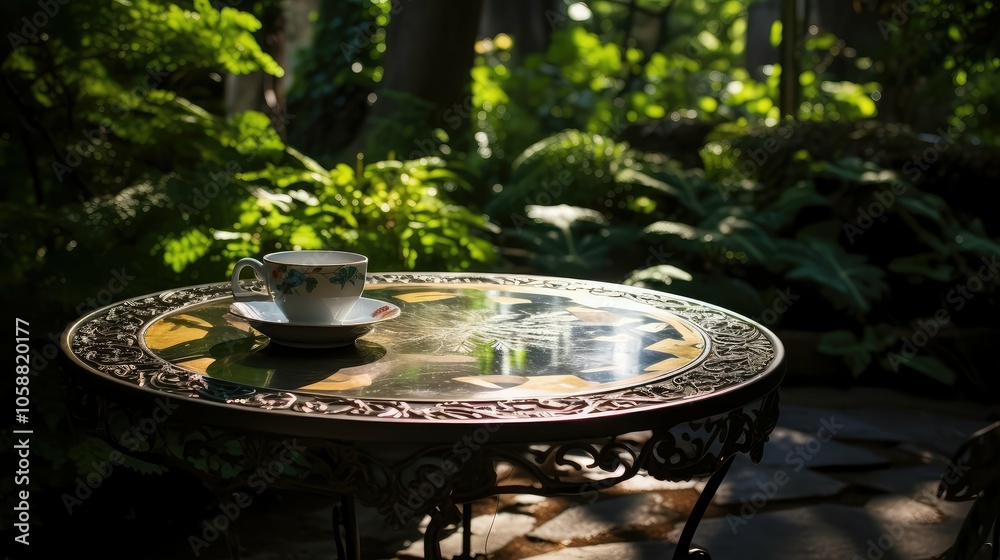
pixel 484 384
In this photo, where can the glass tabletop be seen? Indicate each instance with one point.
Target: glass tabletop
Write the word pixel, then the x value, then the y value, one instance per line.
pixel 464 342
pixel 542 356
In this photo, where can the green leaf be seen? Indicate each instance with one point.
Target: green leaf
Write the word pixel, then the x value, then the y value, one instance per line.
pixel 977 244
pixel 857 354
pixel 930 265
pixel 844 278
pixel 741 235
pixel 632 176
pixel 932 367
pixel 661 274
pixel 678 229
pixel 180 252
pixel 855 170
pixel 791 201
pixel 928 206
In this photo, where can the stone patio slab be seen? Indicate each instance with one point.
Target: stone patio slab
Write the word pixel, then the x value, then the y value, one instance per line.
pixel 821 532
pixel 755 484
pixel 617 551
pixel 810 419
pixel 798 450
pixel 488 534
pixel 937 432
pixel 591 520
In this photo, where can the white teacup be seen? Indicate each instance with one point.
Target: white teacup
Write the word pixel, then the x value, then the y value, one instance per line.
pixel 309 287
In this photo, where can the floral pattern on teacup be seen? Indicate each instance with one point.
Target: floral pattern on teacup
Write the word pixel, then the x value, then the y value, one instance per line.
pixel 288 281
pixel 344 275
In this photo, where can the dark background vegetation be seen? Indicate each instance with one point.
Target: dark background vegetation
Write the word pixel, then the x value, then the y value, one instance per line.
pixel 823 167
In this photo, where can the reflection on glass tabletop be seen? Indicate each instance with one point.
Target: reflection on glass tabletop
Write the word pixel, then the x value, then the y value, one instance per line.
pixel 451 342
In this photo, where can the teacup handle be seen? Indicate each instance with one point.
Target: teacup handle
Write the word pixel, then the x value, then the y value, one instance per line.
pixel 246 295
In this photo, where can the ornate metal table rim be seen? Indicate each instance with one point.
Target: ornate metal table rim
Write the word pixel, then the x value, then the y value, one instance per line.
pixel 741 365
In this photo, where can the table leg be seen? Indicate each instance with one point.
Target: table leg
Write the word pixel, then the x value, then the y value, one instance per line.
pixel 432 544
pixel 345 529
pixel 996 539
pixel 232 531
pixel 466 533
pixel 684 550
pixel 441 516
pixel 233 541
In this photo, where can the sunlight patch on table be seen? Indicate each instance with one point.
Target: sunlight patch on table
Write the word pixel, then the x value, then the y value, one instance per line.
pixel 199 365
pixel 600 317
pixel 505 300
pixel 421 297
pixel 681 348
pixel 621 337
pixel 176 330
pixel 341 382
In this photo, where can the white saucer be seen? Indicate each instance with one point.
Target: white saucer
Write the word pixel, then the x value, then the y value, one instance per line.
pixel 268 319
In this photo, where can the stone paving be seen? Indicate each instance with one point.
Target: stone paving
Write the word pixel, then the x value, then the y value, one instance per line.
pixel 867 493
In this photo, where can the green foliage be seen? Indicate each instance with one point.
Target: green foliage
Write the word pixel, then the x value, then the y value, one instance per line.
pixel 845 279
pixel 392 211
pixel 115 110
pixel 857 352
pixel 572 167
pixel 588 81
pixel 337 75
pixel 721 236
pixel 568 240
pixel 942 55
pixel 148 178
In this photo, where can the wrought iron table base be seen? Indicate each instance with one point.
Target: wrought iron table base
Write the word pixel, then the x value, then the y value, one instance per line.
pixel 346 534
pixel 440 520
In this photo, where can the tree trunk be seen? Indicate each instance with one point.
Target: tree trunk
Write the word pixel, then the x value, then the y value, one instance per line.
pixel 529 22
pixel 429 55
